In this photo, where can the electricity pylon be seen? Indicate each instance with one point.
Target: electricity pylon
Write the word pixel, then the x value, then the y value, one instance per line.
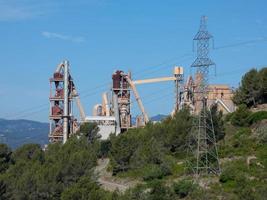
pixel 202 142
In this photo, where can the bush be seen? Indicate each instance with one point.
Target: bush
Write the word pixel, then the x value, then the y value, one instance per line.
pixel 28 152
pixel 183 188
pixel 227 175
pixel 159 191
pixel 218 122
pixel 261 132
pixel 165 169
pixel 35 174
pixel 84 189
pixel 233 174
pixel 105 146
pixel 153 172
pixel 256 117
pixel 228 117
pixel 90 130
pixel 240 116
pixel 5 154
pixel 242 142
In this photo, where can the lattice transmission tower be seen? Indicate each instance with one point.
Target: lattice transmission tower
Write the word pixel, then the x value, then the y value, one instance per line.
pixel 202 142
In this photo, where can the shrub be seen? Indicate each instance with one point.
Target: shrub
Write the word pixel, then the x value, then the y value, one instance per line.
pixel 5 154
pixel 242 142
pixel 227 175
pixel 159 191
pixel 183 188
pixel 256 117
pixel 105 146
pixel 262 134
pixel 84 189
pixel 228 117
pixel 28 152
pixel 152 172
pixel 218 122
pixel 233 174
pixel 240 116
pixel 165 169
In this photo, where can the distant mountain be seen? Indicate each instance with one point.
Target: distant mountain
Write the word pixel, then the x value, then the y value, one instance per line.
pixel 18 132
pixel 155 118
pixel 158 117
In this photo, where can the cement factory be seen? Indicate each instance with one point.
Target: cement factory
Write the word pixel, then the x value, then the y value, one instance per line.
pixel 114 114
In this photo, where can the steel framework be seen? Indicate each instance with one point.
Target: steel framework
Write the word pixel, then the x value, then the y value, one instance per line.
pixel 202 142
pixel 178 91
pixel 62 92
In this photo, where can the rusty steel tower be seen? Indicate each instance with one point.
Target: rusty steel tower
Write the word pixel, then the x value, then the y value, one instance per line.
pixel 121 101
pixel 202 143
pixel 62 93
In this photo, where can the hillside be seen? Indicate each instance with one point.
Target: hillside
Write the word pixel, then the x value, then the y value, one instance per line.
pixel 158 118
pixel 149 163
pixel 144 164
pixel 18 132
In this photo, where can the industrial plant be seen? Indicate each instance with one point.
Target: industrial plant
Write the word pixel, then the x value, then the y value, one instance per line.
pixel 133 100
pixel 114 113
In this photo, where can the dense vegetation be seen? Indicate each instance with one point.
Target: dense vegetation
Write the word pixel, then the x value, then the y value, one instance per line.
pixel 253 88
pixel 30 173
pixel 148 151
pixel 154 155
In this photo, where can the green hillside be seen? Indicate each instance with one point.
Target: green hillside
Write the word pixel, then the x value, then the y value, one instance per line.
pixel 18 132
pixel 154 157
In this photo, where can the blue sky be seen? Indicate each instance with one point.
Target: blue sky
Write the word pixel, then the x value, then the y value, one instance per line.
pixel 147 37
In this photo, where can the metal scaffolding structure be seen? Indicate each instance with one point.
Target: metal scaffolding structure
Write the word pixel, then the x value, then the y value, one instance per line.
pixel 121 101
pixel 202 143
pixel 178 91
pixel 62 93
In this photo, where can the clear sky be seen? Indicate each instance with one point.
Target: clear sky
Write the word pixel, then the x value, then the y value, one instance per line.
pixel 147 37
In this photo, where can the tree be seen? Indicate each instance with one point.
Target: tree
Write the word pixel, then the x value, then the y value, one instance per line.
pixel 5 156
pixel 183 188
pixel 240 116
pixel 176 130
pixel 122 149
pixel 218 123
pixel 85 189
pixel 3 194
pixel 251 88
pixel 28 152
pixel 160 192
pixel 105 146
pixel 263 84
pixel 90 130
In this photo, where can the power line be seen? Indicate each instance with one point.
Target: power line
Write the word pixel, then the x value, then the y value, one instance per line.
pixel 156 68
pixel 162 96
pixel 153 94
pixel 26 110
pixel 242 43
pixel 32 113
pixel 153 69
